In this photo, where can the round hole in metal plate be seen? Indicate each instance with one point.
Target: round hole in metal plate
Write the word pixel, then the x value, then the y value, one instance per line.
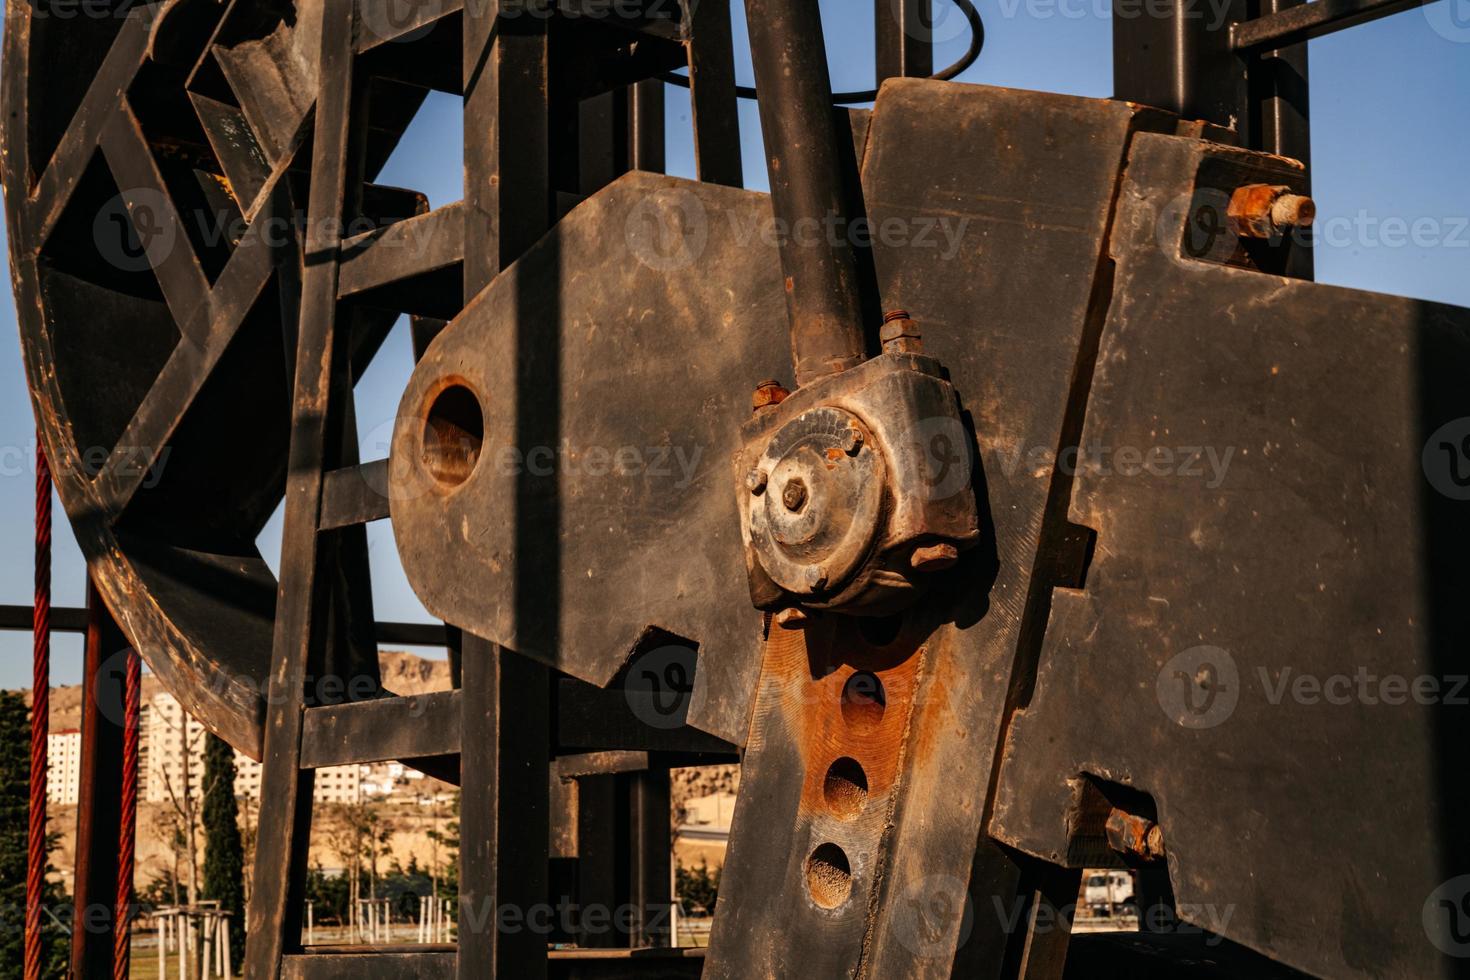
pixel 863 701
pixel 829 876
pixel 880 631
pixel 846 788
pixel 454 432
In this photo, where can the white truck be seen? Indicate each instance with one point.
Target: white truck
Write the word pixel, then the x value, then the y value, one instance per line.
pixel 1107 893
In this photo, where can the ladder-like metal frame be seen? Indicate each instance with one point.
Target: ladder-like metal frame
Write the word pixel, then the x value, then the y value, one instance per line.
pixel 494 733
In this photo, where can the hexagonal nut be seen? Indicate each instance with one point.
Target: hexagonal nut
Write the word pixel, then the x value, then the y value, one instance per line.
pixel 1134 836
pixel 1264 211
pixel 793 618
pixel 901 335
pixel 768 394
pixel 794 495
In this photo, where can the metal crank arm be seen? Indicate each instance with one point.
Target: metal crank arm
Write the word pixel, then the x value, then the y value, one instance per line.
pixel 837 502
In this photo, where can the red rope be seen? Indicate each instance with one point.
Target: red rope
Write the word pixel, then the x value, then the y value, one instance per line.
pixel 122 929
pixel 40 719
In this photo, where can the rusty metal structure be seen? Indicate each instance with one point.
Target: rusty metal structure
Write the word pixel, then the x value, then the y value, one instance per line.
pixel 958 656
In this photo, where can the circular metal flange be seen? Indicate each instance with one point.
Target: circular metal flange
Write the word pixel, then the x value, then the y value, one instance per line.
pixel 821 499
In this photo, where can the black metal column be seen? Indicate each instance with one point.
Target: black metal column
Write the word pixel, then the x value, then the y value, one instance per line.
pixel 823 282
pixel 99 812
pixel 505 734
pixel 650 826
pixel 1183 61
pixel 902 33
pixel 300 634
pixel 712 94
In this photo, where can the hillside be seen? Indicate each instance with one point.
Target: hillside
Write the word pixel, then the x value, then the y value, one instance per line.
pixel 403 673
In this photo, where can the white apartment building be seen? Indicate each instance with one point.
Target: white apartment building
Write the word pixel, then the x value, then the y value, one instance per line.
pixel 166 729
pixel 175 743
pixel 63 767
pixel 337 784
pixel 171 743
pixel 386 778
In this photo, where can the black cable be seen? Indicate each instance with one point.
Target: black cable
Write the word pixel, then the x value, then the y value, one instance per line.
pixel 977 43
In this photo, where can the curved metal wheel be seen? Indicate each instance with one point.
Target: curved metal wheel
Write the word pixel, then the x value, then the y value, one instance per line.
pixel 155 347
pixel 156 177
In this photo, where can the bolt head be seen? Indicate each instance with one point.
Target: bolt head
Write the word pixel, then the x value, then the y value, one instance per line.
pixel 934 557
pixel 794 496
pixel 900 335
pixel 1293 211
pixel 768 394
pixel 1153 842
pixel 816 578
pixel 755 482
pixel 793 618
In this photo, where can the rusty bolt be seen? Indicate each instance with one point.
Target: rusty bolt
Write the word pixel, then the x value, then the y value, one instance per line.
pixel 853 442
pixel 794 496
pixel 755 482
pixel 900 335
pixel 934 557
pixel 793 618
pixel 1293 211
pixel 1268 210
pixel 1133 836
pixel 816 578
pixel 767 395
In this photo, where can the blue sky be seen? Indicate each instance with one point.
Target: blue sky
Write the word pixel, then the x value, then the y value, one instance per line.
pixel 1391 142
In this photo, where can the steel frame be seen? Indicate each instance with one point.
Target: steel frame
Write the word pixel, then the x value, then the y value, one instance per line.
pixel 510 716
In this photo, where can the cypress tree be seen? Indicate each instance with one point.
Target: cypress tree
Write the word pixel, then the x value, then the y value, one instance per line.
pixel 224 851
pixel 15 793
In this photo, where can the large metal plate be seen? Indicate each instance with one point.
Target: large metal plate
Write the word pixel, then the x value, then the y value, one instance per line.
pixel 1271 583
pixel 996 205
pixel 600 518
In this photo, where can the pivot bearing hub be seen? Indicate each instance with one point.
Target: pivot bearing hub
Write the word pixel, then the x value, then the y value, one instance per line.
pixel 817 519
pixel 852 485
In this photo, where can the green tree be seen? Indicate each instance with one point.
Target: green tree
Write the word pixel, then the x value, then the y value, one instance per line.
pixel 330 895
pixel 444 861
pixel 159 892
pixel 15 770
pixel 224 851
pixel 697 888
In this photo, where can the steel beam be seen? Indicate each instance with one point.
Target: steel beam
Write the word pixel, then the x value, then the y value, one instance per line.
pixel 280 856
pixel 803 153
pixel 504 766
pixel 99 811
pixel 902 38
pixel 1301 22
pixel 712 94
